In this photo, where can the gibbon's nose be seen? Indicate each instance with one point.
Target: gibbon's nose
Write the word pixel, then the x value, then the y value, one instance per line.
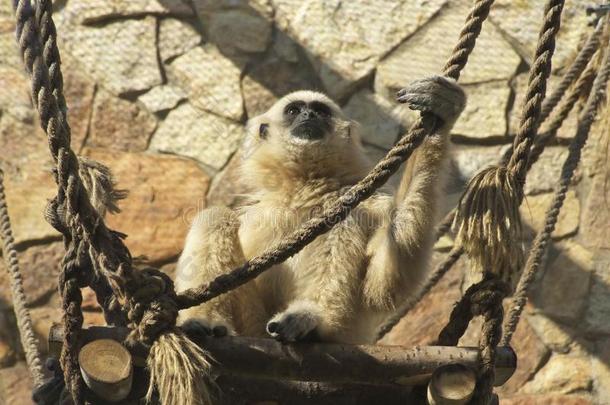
pixel 308 114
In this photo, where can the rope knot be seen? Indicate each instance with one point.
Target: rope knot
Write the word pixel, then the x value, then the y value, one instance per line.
pixel 488 223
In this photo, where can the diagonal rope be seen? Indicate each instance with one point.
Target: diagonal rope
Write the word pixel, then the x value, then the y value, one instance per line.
pixel 24 320
pixel 551 126
pixel 539 248
pixel 359 192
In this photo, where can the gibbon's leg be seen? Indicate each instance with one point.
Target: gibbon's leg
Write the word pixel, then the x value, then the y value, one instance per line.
pixel 410 236
pixel 212 248
pixel 327 278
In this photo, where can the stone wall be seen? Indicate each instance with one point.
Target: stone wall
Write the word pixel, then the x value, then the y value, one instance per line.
pixel 160 90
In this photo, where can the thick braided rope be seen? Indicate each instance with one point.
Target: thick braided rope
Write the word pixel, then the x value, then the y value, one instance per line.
pixel 574 72
pixel 487 219
pixel 598 95
pixel 28 37
pixel 359 192
pixel 485 299
pixel 539 74
pixel 24 321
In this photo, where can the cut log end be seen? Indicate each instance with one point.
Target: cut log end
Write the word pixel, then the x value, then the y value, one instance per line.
pixel 107 369
pixel 452 384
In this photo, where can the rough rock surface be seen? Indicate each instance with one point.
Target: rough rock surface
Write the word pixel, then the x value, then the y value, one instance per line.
pixel 88 12
pixel 121 55
pixel 210 80
pixel 120 124
pixel 346 39
pixel 162 98
pixel 197 134
pixel 533 212
pixel 176 37
pixel 164 191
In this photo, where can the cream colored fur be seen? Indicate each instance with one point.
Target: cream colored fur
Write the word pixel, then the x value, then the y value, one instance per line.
pixel 347 281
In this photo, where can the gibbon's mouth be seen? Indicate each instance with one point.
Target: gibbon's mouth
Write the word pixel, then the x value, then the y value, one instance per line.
pixel 311 130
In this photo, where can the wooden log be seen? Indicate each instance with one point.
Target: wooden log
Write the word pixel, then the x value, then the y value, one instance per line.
pixel 266 358
pixel 237 390
pixel 106 369
pixel 452 384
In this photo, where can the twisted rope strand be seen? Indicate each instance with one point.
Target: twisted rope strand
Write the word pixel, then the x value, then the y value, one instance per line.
pixel 359 192
pixel 24 320
pixel 598 95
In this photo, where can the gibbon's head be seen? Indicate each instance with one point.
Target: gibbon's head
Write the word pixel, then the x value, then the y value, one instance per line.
pixel 303 135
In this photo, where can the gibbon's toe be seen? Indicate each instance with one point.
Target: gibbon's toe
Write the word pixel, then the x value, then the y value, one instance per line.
pixel 203 327
pixel 293 326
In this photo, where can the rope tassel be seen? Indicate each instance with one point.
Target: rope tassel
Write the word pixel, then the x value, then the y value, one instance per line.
pixel 487 220
pixel 488 223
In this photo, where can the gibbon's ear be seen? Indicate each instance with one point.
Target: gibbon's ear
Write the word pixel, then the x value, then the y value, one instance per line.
pixel 263 130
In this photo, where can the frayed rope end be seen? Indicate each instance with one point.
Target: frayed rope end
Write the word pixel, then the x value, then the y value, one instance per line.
pixel 180 371
pixel 488 222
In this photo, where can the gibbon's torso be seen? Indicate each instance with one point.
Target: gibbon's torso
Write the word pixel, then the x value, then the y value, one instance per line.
pixel 275 216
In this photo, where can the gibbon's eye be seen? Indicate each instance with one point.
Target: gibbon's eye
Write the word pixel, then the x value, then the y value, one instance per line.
pixel 262 130
pixel 321 109
pixel 293 109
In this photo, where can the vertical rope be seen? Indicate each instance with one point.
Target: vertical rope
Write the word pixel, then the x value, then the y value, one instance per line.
pixel 598 95
pixel 487 219
pixel 24 320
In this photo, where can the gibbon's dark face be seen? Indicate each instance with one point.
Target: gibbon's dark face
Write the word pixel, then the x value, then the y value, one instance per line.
pixel 308 120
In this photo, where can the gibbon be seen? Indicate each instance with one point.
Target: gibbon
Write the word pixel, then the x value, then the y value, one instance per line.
pixel 300 156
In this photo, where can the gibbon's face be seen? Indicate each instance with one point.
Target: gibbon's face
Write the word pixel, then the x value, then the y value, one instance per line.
pixel 302 119
pixel 305 134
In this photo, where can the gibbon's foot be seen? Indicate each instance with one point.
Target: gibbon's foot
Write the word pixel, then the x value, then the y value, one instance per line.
pixel 203 327
pixel 437 95
pixel 293 326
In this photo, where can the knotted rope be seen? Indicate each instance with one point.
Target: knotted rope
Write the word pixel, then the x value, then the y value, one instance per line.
pixel 487 219
pixel 535 258
pixel 339 210
pixel 24 321
pixel 95 255
pixel 579 90
pixel 485 299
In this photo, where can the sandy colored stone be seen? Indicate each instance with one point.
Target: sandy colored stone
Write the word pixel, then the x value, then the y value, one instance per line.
pixel 120 55
pixel 426 52
pixel 120 124
pixel 533 212
pixel 521 20
pixel 27 199
pixel 210 80
pixel 164 192
pixel 281 71
pixel 345 40
pixel 596 215
pixel 544 174
pixel 162 98
pixel 485 114
pixel 381 122
pixel 199 135
pixel 89 12
pixel 7 355
pixel 562 374
pixel 601 368
pixel 226 188
pixel 176 37
pixel 598 310
pixel 467 160
pixel 14 97
pixel 566 283
pixel 40 266
pixel 547 400
pixel 9 50
pixel 15 385
pixel 237 30
pixel 555 335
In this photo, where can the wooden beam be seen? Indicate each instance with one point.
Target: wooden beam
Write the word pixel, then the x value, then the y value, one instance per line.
pixel 333 363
